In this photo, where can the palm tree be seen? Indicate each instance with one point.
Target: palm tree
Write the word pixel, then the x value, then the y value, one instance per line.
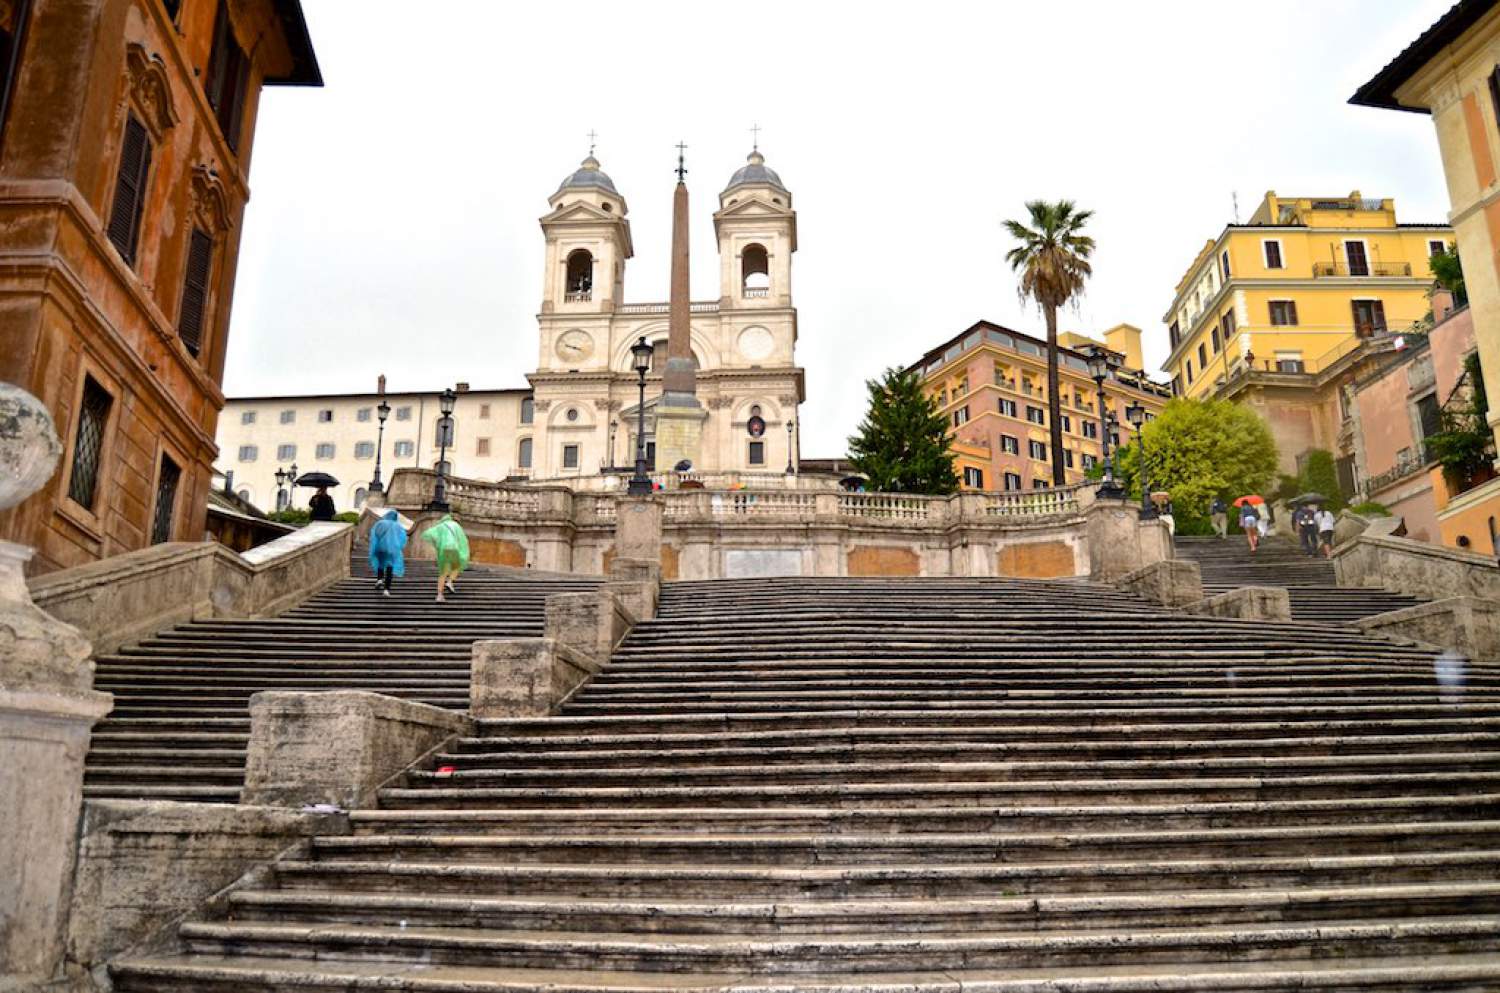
pixel 1053 260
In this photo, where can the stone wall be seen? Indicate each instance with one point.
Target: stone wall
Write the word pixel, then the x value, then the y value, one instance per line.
pixel 1415 568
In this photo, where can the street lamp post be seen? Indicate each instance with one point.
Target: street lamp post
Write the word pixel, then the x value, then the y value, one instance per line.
pixel 445 434
pixel 790 424
pixel 282 503
pixel 640 483
pixel 1099 368
pixel 614 427
pixel 1136 415
pixel 383 411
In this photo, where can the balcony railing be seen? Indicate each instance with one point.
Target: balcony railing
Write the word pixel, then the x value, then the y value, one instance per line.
pixel 757 291
pixel 1408 462
pixel 578 296
pixel 1321 269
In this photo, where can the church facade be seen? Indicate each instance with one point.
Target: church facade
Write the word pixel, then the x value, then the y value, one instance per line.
pixel 743 343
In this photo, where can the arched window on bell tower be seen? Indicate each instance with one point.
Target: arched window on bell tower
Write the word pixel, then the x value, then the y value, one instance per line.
pixel 755 271
pixel 580 278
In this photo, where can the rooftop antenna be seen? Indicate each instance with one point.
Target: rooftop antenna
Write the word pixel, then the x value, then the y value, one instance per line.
pixel 1235 196
pixel 593 139
pixel 681 169
pixel 755 132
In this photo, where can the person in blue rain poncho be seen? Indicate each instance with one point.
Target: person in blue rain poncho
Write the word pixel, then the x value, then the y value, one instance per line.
pixel 451 549
pixel 387 541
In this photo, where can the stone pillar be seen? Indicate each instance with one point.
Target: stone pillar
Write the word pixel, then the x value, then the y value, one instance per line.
pixel 638 522
pixel 1120 542
pixel 637 585
pixel 47 707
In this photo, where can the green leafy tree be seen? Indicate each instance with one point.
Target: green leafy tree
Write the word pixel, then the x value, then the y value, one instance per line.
pixel 1197 450
pixel 1320 476
pixel 1053 260
pixel 1448 272
pixel 902 445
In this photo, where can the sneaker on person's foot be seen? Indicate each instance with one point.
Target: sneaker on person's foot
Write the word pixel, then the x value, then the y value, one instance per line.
pixel 441 600
pixel 385 592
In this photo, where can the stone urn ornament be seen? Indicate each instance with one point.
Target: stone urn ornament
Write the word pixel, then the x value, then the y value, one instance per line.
pixel 29 449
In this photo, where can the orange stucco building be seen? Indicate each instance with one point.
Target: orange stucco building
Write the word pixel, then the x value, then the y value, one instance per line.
pixel 124 173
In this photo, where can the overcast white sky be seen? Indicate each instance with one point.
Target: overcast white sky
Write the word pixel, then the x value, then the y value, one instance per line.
pixel 393 220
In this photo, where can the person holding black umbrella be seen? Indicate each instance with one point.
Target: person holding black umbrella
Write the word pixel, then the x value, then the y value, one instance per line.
pixel 320 507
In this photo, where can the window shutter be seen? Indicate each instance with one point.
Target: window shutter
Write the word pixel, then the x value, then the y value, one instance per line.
pixel 1377 314
pixel 228 77
pixel 195 291
pixel 130 189
pixel 1291 312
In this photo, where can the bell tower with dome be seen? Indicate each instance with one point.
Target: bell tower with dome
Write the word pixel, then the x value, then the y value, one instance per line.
pixel 757 231
pixel 588 241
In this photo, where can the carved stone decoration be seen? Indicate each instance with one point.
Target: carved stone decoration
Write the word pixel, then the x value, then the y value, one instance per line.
pixel 787 401
pixel 210 202
pixel 603 403
pixel 541 406
pixel 150 89
pixel 29 447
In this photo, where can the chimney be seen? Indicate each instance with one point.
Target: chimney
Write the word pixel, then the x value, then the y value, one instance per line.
pixel 381 388
pixel 229 481
pixel 461 388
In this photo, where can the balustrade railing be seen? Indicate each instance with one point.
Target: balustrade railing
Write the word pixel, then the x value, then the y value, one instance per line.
pixel 1034 503
pixel 886 506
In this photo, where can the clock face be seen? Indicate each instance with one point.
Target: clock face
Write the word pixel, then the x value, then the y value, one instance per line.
pixel 756 343
pixel 574 346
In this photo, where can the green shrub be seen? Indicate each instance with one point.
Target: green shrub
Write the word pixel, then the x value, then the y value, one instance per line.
pixel 1370 508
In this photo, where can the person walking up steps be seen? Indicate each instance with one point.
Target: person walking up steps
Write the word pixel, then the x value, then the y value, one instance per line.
pixel 1326 523
pixel 387 540
pixel 1250 522
pixel 1219 514
pixel 451 549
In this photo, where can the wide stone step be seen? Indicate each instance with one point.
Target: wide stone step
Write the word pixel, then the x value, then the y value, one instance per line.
pixel 162 790
pixel 934 705
pixel 854 952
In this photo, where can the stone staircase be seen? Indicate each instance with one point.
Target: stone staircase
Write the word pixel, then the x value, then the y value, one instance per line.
pixel 1315 594
pixel 917 786
pixel 181 720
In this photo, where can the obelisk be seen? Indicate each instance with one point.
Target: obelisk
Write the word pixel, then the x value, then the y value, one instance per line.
pixel 679 415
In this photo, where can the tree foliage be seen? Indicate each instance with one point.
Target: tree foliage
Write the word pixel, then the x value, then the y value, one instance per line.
pixel 1053 259
pixel 1448 272
pixel 902 444
pixel 1197 450
pixel 1320 476
pixel 1464 446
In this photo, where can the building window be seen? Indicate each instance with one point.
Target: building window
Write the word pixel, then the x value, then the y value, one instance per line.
pixel 1037 450
pixel 1067 422
pixel 1289 362
pixel 359 496
pixel 248 453
pixel 130 189
pixel 1429 415
pixel 481 446
pixel 288 417
pixel 1369 317
pixel 1012 482
pixel 1358 261
pixel 325 416
pixel 285 453
pixel 1091 429
pixel 571 414
pixel 1188 365
pixel 364 449
pixel 166 501
pixel 404 449
pixel 1272 251
pixel 1202 356
pixel 1010 445
pixel 1089 461
pixel 195 291
pixel 580 276
pixel 528 410
pixel 1227 324
pixel 1436 247
pixel 1039 484
pixel 228 78
pixel 1035 415
pixel 403 413
pixel 973 478
pixel 362 415
pixel 324 450
pixel 1224 261
pixel 755 271
pixel 247 417
pixel 88 443
pixel 757 453
pixel 1174 334
pixel 570 456
pixel 1007 407
pixel 523 453
pixel 1068 457
pixel 1283 313
pixel 1214 336
pixel 484 412
pixel 961 416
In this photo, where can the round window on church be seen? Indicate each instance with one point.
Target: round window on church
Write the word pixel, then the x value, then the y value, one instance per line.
pixel 755 410
pixel 572 414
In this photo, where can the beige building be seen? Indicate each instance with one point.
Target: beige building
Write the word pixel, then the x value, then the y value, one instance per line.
pixel 338 435
pixel 579 417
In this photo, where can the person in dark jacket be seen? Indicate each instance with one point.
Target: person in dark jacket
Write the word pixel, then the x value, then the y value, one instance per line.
pixel 320 507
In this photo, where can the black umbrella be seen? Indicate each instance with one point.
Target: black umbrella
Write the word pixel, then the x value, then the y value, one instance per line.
pixel 316 479
pixel 1302 498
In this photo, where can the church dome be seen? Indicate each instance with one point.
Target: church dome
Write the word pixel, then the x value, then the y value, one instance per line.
pixel 755 172
pixel 589 176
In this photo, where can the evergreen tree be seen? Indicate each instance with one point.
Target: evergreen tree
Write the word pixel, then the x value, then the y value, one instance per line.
pixel 902 445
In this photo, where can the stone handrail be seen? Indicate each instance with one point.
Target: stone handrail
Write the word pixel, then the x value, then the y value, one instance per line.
pixel 122 599
pixel 1415 568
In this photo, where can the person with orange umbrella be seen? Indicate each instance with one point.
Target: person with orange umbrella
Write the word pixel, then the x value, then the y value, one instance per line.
pixel 1251 507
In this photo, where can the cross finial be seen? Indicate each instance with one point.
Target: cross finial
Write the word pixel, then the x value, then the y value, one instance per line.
pixel 755 140
pixel 681 168
pixel 593 139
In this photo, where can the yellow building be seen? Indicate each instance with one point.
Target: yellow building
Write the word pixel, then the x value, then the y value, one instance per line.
pixel 1286 310
pixel 991 384
pixel 1452 71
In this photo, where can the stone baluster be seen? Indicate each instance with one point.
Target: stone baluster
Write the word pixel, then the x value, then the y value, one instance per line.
pixel 47 707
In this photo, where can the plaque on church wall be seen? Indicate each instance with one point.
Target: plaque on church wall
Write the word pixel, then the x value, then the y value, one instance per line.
pixel 756 425
pixel 746 563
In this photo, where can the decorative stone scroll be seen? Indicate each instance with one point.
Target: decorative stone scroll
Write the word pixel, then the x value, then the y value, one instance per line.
pixel 150 89
pixel 210 202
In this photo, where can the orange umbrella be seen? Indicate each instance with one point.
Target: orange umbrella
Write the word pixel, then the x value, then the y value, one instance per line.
pixel 1249 498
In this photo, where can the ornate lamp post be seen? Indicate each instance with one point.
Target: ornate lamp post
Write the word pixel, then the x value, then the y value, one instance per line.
pixel 445 435
pixel 1136 415
pixel 640 483
pixel 614 427
pixel 790 424
pixel 1099 368
pixel 383 411
pixel 281 499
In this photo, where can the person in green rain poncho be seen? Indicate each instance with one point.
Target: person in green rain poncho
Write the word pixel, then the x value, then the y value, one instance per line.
pixel 451 549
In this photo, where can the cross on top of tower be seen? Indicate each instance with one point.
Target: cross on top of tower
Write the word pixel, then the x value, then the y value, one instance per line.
pixel 681 168
pixel 755 139
pixel 593 139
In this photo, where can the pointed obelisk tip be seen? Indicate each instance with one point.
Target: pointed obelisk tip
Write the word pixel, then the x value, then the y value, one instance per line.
pixel 681 163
